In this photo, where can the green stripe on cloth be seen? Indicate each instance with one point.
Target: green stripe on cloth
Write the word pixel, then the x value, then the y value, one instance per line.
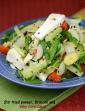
pixel 59 98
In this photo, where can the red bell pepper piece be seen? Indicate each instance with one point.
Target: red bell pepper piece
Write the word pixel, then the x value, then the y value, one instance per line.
pixel 83 67
pixel 4 49
pixel 64 25
pixel 54 77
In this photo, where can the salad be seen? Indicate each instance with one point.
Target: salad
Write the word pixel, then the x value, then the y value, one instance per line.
pixel 51 49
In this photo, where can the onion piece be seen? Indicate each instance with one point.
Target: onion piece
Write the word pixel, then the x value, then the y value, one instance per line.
pixel 61 69
pixel 69 48
pixel 39 52
pixel 42 76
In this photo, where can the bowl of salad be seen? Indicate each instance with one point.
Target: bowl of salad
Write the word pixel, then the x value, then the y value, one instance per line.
pixel 44 53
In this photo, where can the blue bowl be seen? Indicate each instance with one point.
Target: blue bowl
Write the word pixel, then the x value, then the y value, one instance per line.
pixel 7 72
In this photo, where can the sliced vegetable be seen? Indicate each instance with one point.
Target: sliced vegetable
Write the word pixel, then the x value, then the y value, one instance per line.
pixel 61 69
pixel 32 27
pixel 74 33
pixel 7 44
pixel 54 48
pixel 75 70
pixel 81 60
pixel 20 42
pixel 52 67
pixel 9 35
pixel 4 49
pixel 61 51
pixel 20 50
pixel 80 47
pixel 71 58
pixel 18 32
pixel 64 25
pixel 28 40
pixel 78 66
pixel 31 70
pixel 69 37
pixel 53 34
pixel 82 67
pixel 28 58
pixel 21 39
pixel 54 77
pixel 45 50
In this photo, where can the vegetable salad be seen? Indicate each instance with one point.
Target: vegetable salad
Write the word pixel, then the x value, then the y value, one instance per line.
pixel 51 49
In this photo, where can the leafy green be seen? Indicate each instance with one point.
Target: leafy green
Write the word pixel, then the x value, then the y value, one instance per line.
pixel 45 50
pixel 50 49
pixel 34 81
pixel 52 67
pixel 28 40
pixel 81 60
pixel 9 35
pixel 48 44
pixel 80 47
pixel 77 65
pixel 54 48
pixel 53 34
pixel 67 35
pixel 81 57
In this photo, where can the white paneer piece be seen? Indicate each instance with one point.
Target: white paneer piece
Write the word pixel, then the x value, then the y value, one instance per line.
pixel 14 58
pixel 52 22
pixel 42 76
pixel 28 58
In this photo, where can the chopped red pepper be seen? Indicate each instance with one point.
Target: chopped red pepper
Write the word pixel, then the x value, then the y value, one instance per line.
pixel 83 67
pixel 54 77
pixel 64 25
pixel 4 49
